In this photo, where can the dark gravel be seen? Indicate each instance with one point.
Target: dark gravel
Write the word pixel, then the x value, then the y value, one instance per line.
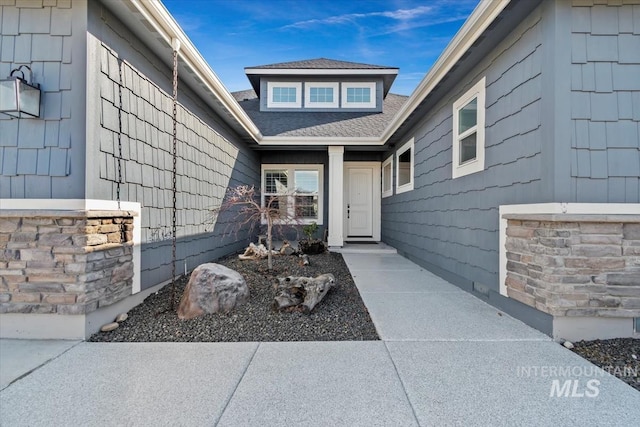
pixel 340 316
pixel 615 356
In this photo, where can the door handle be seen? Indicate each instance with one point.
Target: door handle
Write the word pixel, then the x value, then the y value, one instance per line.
pixel 348 210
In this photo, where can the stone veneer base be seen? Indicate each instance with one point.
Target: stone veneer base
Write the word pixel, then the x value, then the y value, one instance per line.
pixel 68 327
pixel 583 269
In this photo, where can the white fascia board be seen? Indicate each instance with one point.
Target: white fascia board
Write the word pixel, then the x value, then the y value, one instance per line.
pixel 162 21
pixel 316 71
pixel 319 140
pixel 481 18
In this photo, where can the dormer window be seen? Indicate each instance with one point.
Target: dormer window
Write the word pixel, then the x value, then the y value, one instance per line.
pixel 284 95
pixel 321 95
pixel 358 95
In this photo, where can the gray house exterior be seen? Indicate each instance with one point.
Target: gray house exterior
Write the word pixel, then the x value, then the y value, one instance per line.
pixel 513 170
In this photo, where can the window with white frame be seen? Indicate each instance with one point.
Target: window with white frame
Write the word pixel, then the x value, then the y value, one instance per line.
pixel 358 95
pixel 284 95
pixel 387 177
pixel 321 95
pixel 295 190
pixel 404 163
pixel 468 131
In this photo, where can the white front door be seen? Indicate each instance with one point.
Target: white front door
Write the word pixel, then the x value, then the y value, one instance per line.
pixel 359 198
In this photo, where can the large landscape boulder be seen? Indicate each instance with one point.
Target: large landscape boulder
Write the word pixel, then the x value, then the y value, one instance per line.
pixel 212 288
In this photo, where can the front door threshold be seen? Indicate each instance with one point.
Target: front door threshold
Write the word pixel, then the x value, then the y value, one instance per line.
pixel 373 247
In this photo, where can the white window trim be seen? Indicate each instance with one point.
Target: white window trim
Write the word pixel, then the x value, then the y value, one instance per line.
pixel 296 85
pixel 477 164
pixel 291 168
pixel 307 95
pixel 370 104
pixel 408 186
pixel 389 192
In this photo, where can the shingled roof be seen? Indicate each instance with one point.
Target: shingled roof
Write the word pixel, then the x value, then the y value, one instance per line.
pixel 321 64
pixel 321 67
pixel 319 124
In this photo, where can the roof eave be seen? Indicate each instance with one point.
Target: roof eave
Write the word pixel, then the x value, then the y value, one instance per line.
pixel 162 21
pixel 319 141
pixel 319 71
pixel 481 18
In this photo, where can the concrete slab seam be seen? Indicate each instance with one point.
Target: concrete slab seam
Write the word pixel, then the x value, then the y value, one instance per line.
pixel 385 269
pixel 244 372
pixel 549 340
pixel 456 291
pixel 404 389
pixel 26 374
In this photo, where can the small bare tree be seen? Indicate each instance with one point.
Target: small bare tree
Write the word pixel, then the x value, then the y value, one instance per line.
pixel 246 205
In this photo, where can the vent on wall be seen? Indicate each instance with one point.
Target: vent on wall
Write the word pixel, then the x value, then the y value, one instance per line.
pixel 481 289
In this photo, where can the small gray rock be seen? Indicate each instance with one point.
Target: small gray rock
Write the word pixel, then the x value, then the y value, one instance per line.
pixel 568 344
pixel 110 327
pixel 122 317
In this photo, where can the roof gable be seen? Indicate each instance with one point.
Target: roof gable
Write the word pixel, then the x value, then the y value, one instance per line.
pixel 320 64
pixel 321 67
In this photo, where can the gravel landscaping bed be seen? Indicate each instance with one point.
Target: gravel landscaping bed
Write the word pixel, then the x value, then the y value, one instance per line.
pixel 615 356
pixel 340 316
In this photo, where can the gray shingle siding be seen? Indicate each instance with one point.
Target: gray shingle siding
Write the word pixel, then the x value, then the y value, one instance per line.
pixel 210 156
pixel 605 95
pixel 452 225
pixel 45 157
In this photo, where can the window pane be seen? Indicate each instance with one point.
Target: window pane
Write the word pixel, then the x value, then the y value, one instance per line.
pixel 306 181
pixel 468 148
pixel 404 168
pixel 321 94
pixel 276 181
pixel 284 94
pixel 468 116
pixel 386 177
pixel 278 205
pixel 307 207
pixel 358 94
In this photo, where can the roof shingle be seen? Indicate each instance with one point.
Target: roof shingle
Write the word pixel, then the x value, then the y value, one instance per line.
pixel 319 124
pixel 322 64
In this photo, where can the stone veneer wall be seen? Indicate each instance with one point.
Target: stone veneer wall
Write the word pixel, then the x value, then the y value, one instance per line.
pixel 575 265
pixel 64 262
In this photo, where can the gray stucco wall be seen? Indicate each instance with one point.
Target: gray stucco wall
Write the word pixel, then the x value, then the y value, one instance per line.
pixel 605 102
pixel 451 226
pixel 45 157
pixel 210 156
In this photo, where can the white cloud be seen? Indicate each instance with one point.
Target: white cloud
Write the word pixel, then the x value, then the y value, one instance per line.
pixel 398 15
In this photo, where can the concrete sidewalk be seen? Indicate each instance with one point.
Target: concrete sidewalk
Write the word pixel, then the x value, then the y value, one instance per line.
pixel 446 358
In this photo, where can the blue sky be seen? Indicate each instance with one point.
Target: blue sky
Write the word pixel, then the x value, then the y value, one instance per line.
pixel 233 34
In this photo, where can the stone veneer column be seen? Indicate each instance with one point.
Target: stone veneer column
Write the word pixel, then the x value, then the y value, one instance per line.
pixel 64 262
pixel 571 265
pixel 336 197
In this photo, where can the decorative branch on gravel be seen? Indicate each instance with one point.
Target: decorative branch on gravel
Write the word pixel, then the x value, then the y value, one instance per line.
pixel 302 292
pixel 250 210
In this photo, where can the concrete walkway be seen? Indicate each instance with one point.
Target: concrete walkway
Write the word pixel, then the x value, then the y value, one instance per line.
pixel 446 358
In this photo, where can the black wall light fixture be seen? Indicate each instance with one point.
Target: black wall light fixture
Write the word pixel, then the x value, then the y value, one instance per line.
pixel 19 97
